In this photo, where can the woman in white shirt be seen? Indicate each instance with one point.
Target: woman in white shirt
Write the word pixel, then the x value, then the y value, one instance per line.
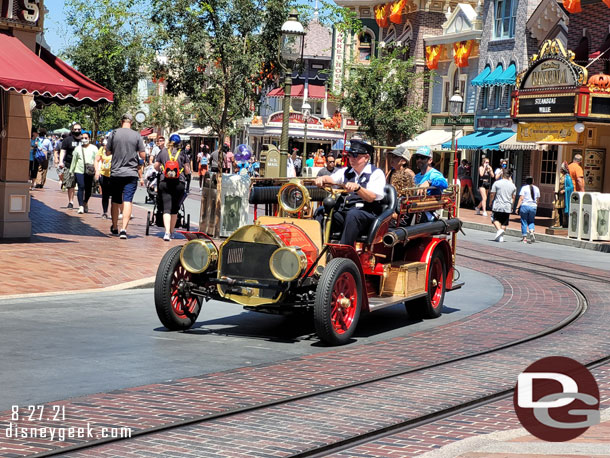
pixel 526 207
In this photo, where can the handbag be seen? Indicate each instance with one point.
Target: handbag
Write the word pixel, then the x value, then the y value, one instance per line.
pixel 89 168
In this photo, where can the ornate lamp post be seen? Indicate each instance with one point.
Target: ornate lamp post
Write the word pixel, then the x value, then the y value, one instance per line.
pixel 306 110
pixel 455 113
pixel 291 50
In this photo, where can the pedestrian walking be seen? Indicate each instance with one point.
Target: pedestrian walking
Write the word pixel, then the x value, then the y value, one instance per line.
pixel 83 168
pixel 65 160
pixel 103 162
pixel 577 173
pixel 500 170
pixel 203 161
pixel 527 207
pixel 503 197
pixel 189 157
pixel 465 177
pixel 44 153
pixel 127 148
pixel 485 174
pixel 174 166
pixel 562 197
pixel 33 165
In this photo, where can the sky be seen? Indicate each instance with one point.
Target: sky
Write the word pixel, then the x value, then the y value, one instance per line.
pixel 55 29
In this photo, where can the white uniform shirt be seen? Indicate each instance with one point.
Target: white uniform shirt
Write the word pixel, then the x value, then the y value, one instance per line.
pixel 376 181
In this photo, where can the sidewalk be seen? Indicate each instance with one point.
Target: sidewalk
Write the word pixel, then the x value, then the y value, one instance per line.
pixel 483 223
pixel 70 252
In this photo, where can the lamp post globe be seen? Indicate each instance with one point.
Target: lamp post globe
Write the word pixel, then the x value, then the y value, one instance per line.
pixel 291 50
pixel 455 112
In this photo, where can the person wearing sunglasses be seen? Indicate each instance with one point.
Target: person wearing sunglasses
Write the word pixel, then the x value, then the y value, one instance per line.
pixel 365 184
pixel 428 177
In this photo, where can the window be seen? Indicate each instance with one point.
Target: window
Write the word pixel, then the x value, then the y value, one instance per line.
pixel 365 48
pixel 484 97
pixel 506 12
pixel 447 96
pixel 549 167
pixel 498 97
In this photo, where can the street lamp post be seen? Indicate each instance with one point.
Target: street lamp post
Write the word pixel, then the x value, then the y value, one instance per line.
pixel 291 50
pixel 455 113
pixel 306 110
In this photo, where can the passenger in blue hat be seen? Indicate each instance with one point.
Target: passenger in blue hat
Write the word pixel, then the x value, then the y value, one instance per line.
pixel 428 177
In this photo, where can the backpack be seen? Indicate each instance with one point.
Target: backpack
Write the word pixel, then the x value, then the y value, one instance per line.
pixel 172 169
pixel 40 155
pixel 204 159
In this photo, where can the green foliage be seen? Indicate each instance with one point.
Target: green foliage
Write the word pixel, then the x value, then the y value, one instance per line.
pixel 53 117
pixel 382 97
pixel 168 112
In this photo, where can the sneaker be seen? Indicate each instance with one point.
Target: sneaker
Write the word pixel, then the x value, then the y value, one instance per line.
pixel 477 211
pixel 123 234
pixel 501 239
pixel 120 215
pixel 70 205
pixel 531 237
pixel 86 208
pixel 499 235
pixel 105 216
pixel 484 213
pixel 81 210
pixel 167 237
pixel 114 231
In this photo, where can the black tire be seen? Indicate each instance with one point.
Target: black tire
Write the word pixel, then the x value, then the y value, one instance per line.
pixel 431 305
pixel 147 223
pixel 184 313
pixel 187 226
pixel 341 275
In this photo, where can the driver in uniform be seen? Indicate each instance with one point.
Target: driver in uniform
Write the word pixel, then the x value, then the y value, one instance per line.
pixel 365 184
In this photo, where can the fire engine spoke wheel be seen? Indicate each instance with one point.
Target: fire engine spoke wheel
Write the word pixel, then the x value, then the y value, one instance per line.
pixel 338 302
pixel 431 305
pixel 176 309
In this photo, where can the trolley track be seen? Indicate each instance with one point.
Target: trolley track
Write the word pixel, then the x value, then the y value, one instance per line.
pixel 380 432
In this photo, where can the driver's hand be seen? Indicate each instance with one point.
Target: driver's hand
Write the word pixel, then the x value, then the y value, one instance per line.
pixel 351 187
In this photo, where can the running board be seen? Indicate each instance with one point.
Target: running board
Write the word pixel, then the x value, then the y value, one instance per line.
pixel 456 285
pixel 378 303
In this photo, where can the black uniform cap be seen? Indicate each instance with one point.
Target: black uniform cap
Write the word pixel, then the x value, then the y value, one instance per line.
pixel 361 147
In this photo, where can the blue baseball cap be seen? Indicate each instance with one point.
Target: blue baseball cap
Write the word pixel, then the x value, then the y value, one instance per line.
pixel 424 151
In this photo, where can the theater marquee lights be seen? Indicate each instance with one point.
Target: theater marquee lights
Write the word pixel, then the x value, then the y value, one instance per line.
pixel 20 13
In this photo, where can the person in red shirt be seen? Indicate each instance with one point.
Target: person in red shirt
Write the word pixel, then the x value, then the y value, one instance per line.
pixel 577 174
pixel 319 160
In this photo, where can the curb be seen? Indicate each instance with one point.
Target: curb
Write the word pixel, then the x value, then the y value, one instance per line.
pixel 143 283
pixel 593 246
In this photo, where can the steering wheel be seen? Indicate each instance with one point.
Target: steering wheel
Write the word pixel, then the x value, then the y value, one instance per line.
pixel 335 189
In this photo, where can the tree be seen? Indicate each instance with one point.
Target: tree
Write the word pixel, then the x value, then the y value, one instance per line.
pixel 380 97
pixel 111 48
pixel 53 117
pixel 168 112
pixel 220 53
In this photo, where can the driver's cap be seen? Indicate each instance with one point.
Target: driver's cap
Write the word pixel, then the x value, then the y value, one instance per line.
pixel 361 147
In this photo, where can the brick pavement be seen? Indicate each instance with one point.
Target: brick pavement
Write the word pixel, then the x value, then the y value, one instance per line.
pixel 545 301
pixel 80 247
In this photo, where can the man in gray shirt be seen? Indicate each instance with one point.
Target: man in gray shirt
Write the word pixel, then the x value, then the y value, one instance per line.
pixel 329 169
pixel 503 196
pixel 127 148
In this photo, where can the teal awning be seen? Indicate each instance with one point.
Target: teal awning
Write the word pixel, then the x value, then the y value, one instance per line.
pixel 487 139
pixel 492 79
pixel 508 76
pixel 478 80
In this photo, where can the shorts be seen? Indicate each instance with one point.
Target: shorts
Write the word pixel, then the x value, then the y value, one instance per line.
pixel 466 182
pixel 172 195
pixel 501 217
pixel 485 186
pixel 203 169
pixel 123 189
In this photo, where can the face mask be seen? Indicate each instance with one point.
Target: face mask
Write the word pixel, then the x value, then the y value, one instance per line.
pixel 85 141
pixel 503 166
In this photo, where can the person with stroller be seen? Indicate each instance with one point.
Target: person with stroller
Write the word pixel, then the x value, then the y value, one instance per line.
pixel 173 165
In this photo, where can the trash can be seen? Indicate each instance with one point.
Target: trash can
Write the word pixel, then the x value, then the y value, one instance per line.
pixel 574 221
pixel 589 201
pixel 600 229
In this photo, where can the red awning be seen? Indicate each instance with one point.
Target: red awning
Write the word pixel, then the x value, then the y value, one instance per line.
pixel 316 92
pixel 23 71
pixel 296 90
pixel 146 132
pixel 89 92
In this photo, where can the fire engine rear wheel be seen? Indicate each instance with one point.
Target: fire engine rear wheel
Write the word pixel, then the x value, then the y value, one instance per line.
pixel 431 305
pixel 338 302
pixel 175 308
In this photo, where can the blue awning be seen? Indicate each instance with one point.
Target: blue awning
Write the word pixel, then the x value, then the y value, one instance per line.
pixel 492 80
pixel 487 139
pixel 480 78
pixel 508 76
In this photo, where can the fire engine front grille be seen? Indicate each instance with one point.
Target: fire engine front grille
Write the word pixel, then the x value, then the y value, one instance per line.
pixel 247 260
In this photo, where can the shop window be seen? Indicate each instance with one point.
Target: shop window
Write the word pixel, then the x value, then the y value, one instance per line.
pixel 505 16
pixel 498 97
pixel 365 46
pixel 548 167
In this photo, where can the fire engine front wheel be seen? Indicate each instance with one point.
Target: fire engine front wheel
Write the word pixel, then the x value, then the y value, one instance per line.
pixel 176 308
pixel 338 302
pixel 431 305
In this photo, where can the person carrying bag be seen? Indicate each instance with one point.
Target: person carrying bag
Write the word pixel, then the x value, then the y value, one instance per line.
pixel 83 169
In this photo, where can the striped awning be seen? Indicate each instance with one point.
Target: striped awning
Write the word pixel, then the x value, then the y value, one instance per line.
pixel 513 144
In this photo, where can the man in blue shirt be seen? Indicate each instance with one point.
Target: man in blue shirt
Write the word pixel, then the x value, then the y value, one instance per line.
pixel 428 177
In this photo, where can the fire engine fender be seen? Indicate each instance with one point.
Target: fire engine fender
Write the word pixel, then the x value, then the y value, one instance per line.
pixel 347 251
pixel 425 247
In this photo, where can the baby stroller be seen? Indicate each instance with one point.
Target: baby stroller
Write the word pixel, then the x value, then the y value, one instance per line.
pixel 150 178
pixel 156 216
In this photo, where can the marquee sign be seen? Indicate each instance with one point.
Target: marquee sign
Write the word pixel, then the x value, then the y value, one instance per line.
pixel 21 13
pixel 552 68
pixel 557 105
